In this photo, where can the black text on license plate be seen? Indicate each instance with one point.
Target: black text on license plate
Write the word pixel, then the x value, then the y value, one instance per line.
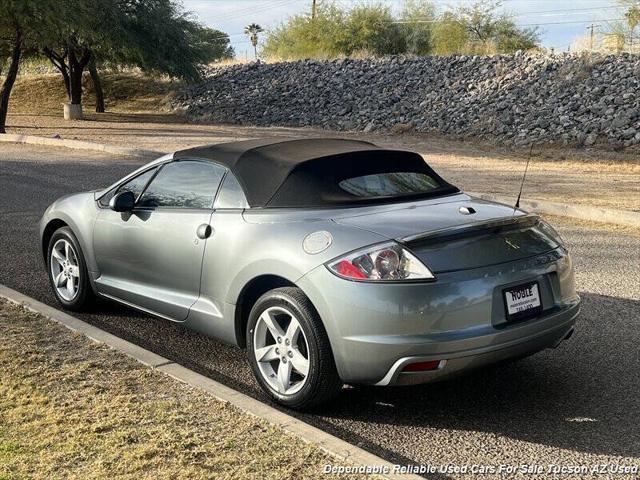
pixel 522 301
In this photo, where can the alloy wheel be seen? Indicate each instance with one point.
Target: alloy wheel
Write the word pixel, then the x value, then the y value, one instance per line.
pixel 65 270
pixel 281 350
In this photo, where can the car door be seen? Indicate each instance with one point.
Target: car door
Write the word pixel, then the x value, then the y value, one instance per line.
pixel 152 257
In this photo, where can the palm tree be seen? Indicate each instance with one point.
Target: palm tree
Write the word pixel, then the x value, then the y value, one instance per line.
pixel 252 31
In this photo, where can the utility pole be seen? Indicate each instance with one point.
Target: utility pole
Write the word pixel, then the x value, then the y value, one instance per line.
pixel 313 9
pixel 592 28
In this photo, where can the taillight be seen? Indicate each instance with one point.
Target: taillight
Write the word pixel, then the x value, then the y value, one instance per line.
pixel 346 269
pixel 385 262
pixel 422 366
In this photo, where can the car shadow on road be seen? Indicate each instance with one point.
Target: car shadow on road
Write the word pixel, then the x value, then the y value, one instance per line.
pixel 583 396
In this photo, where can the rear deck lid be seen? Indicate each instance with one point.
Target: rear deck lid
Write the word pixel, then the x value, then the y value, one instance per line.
pixel 428 216
pixel 461 235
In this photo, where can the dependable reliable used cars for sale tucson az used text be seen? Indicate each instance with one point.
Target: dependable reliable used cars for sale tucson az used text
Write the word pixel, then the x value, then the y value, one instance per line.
pixel 331 261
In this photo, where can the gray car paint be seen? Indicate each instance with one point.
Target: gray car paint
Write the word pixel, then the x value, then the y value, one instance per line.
pixel 154 261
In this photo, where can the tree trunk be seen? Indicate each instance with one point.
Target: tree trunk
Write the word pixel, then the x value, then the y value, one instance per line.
pixel 97 85
pixel 76 69
pixel 12 73
pixel 75 79
pixel 67 82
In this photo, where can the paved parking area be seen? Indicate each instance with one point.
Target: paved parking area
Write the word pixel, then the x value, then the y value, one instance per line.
pixel 577 405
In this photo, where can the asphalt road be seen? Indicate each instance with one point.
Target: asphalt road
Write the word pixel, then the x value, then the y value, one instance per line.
pixel 576 405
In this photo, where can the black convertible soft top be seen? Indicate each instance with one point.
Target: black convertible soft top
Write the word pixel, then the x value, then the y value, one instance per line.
pixel 306 172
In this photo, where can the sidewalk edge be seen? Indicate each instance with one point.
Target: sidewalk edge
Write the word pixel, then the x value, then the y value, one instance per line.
pixel 79 145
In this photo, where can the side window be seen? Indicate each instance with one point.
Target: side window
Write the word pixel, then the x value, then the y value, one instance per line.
pixel 135 185
pixel 231 194
pixel 183 184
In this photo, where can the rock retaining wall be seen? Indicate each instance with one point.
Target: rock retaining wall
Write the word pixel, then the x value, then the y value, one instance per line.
pixel 514 100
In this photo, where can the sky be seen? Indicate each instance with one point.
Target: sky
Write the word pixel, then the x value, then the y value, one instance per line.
pixel 559 22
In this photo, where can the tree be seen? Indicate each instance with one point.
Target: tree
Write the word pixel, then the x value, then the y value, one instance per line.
pixel 302 36
pixel 12 46
pixel 155 36
pixel 450 35
pixel 372 28
pixel 20 24
pixel 335 32
pixel 620 35
pixel 252 30
pixel 487 30
pixel 418 18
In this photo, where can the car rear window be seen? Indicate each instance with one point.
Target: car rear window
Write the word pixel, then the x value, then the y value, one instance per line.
pixel 389 184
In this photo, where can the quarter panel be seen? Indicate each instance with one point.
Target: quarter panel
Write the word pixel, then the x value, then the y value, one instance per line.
pixel 239 251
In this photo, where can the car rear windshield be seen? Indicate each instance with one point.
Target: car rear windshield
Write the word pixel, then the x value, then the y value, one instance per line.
pixel 389 184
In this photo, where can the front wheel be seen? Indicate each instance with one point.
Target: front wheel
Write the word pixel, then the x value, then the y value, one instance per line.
pixel 289 350
pixel 67 270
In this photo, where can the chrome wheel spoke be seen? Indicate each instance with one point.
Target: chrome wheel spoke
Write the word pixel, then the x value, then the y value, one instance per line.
pixel 60 280
pixel 57 256
pixel 74 270
pixel 71 285
pixel 292 331
pixel 284 376
pixel 267 354
pixel 299 362
pixel 272 325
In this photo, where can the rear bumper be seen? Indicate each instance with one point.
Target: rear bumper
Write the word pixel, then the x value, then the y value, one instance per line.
pixel 465 360
pixel 377 329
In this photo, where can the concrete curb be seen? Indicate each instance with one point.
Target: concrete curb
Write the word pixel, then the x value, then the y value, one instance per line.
pixel 334 446
pixel 593 214
pixel 79 144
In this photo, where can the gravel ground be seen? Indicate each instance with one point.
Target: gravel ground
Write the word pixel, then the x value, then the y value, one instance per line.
pixel 583 177
pixel 576 405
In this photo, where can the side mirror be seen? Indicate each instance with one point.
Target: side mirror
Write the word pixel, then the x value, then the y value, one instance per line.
pixel 122 202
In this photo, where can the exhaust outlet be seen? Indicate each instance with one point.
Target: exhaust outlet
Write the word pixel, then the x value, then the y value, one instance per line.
pixel 566 337
pixel 569 334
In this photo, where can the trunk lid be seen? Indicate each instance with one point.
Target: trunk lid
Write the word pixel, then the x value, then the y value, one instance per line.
pixel 460 235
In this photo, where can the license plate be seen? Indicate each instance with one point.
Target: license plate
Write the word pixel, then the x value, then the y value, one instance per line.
pixel 522 301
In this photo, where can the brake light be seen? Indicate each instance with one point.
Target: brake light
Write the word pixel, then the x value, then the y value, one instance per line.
pixel 347 269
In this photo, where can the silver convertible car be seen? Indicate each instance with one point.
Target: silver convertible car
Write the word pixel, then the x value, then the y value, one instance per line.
pixel 331 261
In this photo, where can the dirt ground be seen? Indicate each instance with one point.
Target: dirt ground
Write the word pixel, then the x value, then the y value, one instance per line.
pixel 581 177
pixel 70 408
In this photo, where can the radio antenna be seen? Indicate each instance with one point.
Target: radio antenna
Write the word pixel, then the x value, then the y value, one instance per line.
pixel 524 177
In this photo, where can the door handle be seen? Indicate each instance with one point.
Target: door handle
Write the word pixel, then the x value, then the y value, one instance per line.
pixel 204 231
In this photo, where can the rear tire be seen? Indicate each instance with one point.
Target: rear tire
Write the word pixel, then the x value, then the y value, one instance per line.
pixel 289 351
pixel 67 270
